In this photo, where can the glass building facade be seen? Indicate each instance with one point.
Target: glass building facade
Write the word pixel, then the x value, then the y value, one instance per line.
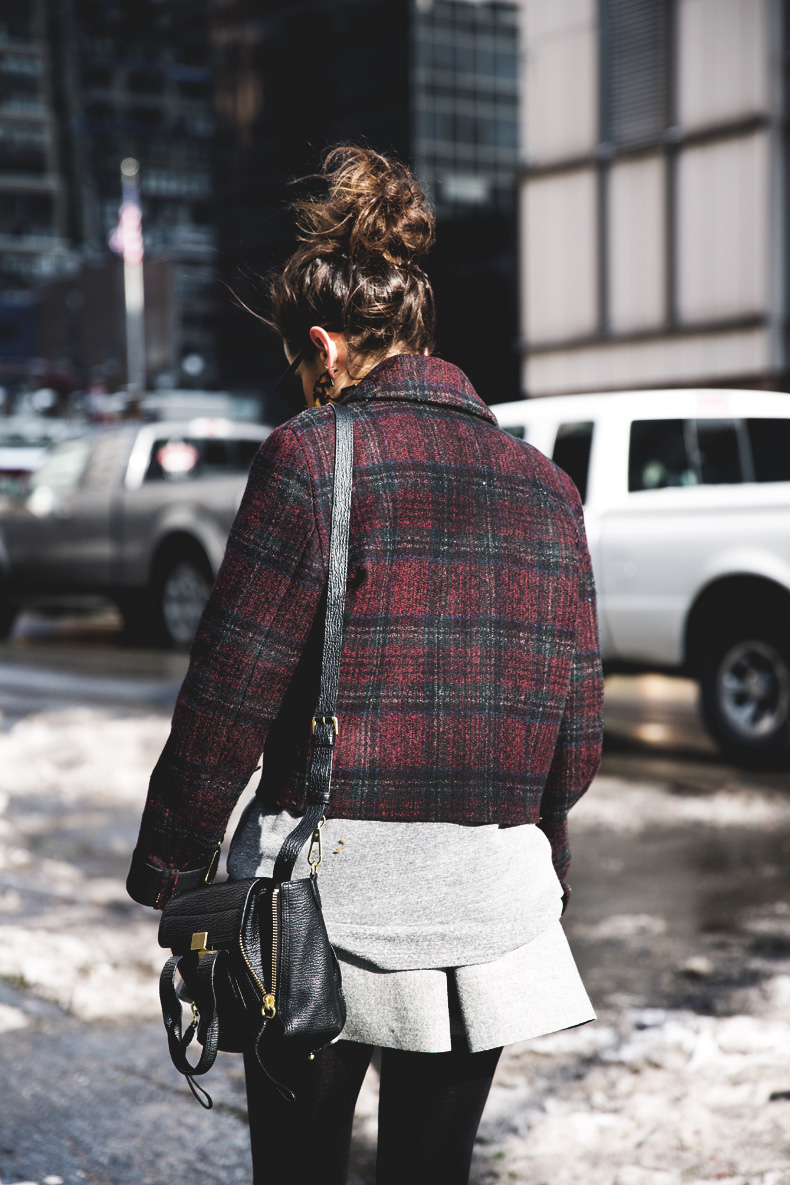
pixel 465 102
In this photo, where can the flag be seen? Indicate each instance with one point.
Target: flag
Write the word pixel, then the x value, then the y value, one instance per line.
pixel 126 238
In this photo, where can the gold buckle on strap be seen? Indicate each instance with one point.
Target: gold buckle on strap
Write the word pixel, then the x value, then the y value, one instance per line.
pixel 325 720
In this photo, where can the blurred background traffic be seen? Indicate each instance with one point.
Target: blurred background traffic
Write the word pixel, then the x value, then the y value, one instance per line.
pixel 609 180
pixel 612 271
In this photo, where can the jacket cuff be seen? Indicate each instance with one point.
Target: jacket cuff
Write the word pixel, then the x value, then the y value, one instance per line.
pixel 154 886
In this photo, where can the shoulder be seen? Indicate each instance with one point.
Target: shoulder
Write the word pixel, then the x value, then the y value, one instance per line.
pixel 524 459
pixel 550 487
pixel 308 435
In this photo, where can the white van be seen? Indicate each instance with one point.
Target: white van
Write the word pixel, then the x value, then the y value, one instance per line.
pixel 687 503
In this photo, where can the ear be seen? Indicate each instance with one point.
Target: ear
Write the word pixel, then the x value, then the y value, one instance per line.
pixel 325 346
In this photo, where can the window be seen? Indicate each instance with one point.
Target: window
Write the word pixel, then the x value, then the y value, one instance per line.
pixel 658 456
pixel 145 82
pixel 465 102
pixel 107 460
pixel 770 441
pixel 58 476
pixel 245 453
pixel 182 459
pixel 719 453
pixel 572 453
pixel 516 430
pixel 634 70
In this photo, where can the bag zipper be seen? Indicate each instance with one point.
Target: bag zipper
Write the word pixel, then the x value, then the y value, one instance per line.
pixel 269 1005
pixel 269 1008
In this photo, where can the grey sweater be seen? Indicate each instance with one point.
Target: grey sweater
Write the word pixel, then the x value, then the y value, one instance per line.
pixel 402 896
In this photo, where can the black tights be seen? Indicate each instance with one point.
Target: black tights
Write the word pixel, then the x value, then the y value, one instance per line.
pixel 430 1105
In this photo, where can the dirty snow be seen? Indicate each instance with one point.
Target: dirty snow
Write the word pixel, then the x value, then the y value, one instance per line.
pixel 616 805
pixel 645 1096
pixel 73 938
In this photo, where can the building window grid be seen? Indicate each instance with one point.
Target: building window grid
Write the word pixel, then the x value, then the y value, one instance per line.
pixel 646 30
pixel 465 85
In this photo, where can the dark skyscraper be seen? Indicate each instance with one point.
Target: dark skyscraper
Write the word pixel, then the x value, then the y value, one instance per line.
pixel 33 241
pixel 431 80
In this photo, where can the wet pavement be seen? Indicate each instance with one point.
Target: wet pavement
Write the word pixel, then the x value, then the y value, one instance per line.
pixel 680 924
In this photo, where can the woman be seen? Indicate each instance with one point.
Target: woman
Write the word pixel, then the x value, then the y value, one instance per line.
pixel 470 702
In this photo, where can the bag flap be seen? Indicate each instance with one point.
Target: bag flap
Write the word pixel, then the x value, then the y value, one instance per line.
pixel 216 911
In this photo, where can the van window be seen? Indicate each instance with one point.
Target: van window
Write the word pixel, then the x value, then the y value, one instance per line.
pixel 658 456
pixel 572 453
pixel 770 441
pixel 516 430
pixel 719 455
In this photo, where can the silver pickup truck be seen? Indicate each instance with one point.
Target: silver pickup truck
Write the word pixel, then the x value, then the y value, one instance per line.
pixel 137 513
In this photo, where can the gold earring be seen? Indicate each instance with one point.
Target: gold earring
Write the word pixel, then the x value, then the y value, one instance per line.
pixel 322 387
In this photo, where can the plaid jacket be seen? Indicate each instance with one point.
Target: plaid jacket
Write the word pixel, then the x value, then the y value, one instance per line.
pixel 470 683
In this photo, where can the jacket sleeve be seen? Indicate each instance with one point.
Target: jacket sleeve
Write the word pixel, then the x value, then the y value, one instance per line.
pixel 247 646
pixel 577 755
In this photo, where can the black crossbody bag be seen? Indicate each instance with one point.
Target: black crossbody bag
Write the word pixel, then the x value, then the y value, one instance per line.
pixel 254 955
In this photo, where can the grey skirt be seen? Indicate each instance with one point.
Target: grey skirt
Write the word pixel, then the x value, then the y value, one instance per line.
pixel 474 950
pixel 526 993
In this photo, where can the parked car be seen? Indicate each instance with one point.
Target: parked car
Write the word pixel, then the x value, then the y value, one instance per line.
pixel 138 513
pixel 687 504
pixel 24 441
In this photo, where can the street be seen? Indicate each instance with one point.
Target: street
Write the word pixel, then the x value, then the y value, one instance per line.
pixel 680 922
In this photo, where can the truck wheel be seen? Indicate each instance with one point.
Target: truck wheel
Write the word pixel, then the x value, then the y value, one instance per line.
pixel 745 691
pixel 181 587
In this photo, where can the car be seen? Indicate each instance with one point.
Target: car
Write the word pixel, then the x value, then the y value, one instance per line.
pixel 138 513
pixel 24 441
pixel 686 498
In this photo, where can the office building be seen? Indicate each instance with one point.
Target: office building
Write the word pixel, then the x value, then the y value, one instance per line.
pixel 434 81
pixel 133 80
pixel 653 194
pixel 33 235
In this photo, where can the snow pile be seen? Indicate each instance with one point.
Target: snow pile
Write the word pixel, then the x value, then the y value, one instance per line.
pixel 649 1098
pixel 643 1097
pixel 613 804
pixel 72 938
pixel 81 756
pixel 87 965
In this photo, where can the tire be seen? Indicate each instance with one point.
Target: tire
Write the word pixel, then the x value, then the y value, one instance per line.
pixel 745 694
pixel 179 591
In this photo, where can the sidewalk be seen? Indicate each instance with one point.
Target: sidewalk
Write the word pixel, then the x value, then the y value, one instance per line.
pixel 679 920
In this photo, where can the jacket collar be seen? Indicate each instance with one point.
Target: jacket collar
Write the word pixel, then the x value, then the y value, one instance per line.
pixel 417 379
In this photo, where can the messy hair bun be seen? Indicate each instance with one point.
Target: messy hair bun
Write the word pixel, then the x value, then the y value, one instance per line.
pixel 356 270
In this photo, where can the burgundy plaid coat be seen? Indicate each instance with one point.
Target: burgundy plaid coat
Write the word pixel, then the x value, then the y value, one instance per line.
pixel 470 683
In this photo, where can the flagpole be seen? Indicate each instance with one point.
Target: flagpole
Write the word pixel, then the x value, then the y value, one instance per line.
pixel 130 225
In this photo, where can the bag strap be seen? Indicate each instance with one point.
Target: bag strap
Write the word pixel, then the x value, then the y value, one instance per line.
pixel 179 1040
pixel 325 723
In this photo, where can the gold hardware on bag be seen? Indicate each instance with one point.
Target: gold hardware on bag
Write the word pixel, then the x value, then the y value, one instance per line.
pixel 275 944
pixel 200 943
pixel 315 841
pixel 212 868
pixel 269 1009
pixel 326 720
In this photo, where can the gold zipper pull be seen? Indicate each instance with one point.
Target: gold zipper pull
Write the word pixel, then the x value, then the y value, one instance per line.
pixel 269 1009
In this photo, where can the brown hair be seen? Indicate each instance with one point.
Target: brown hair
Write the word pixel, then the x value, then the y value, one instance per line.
pixel 356 269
